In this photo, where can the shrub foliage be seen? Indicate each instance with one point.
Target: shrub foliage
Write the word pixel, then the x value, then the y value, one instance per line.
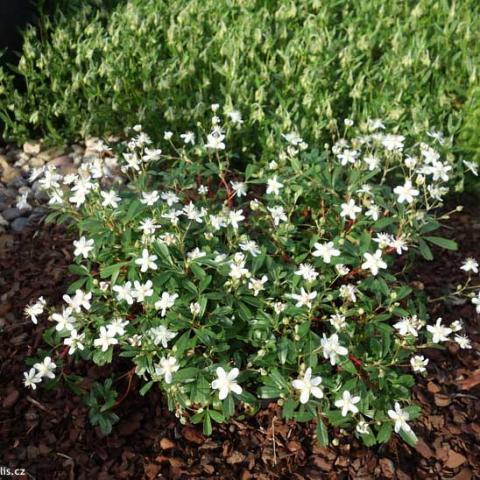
pixel 227 288
pixel 92 71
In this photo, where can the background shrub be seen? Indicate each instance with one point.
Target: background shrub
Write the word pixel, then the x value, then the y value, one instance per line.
pixel 283 64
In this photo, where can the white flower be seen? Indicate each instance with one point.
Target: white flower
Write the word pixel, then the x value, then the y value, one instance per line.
pixel 350 210
pixel 463 341
pixel 150 198
pixel 148 226
pixel 124 292
pixel 326 251
pixel 167 135
pixel 406 192
pixel 274 186
pixel 83 247
pixel 195 308
pixel 472 166
pixel 235 116
pixel 234 217
pixel 348 292
pixel 332 348
pixel 348 156
pixel 406 326
pixel 168 366
pixel 308 386
pixel 304 298
pixel 347 403
pixel 35 310
pixel 146 261
pixel 117 326
pixel 342 269
pixel 79 301
pixel 348 122
pixel 251 247
pixel 400 418
pixel 188 137
pixel 257 285
pixel 74 341
pixel 110 199
pixel 373 212
pixel 470 265
pixel 375 124
pixel 195 253
pixel 383 240
pixel 106 338
pixel 152 154
pixel 193 213
pixel 439 332
pixel 142 290
pixel 338 321
pixel 225 382
pixel 278 214
pixel 418 363
pixel 215 141
pixel 373 262
pixel 476 302
pixel 22 201
pixel 45 368
pixel 161 335
pixel 31 379
pixel 372 162
pixel 456 325
pixel 279 307
pixel 65 320
pixel 399 245
pixel 167 300
pixel 362 427
pixel 393 142
pixel 170 197
pixel 307 272
pixel 240 188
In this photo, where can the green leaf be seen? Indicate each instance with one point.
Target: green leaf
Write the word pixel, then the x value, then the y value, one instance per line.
pixel 384 433
pixel 146 388
pixel 322 433
pixel 443 242
pixel 207 424
pixel 425 250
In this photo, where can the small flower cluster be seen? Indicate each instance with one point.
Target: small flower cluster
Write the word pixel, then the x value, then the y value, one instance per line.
pixel 277 281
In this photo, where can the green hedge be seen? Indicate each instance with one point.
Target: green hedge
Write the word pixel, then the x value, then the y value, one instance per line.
pixel 284 64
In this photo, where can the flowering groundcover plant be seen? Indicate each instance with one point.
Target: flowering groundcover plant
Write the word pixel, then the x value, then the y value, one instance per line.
pixel 226 288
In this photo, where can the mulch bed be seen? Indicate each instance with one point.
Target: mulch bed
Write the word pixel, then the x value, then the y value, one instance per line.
pixel 48 433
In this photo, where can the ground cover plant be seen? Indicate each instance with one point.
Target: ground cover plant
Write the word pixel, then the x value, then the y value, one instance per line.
pixel 225 287
pixel 92 70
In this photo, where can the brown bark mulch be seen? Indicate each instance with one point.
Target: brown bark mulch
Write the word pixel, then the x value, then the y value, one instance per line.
pixel 48 434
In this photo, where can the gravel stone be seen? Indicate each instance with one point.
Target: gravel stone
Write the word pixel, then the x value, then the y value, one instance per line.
pixel 12 213
pixel 20 224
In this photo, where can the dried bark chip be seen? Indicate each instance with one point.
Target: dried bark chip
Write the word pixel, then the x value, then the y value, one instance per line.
pixel 423 449
pixel 294 446
pixel 192 435
pixel 167 444
pixel 433 387
pixel 236 457
pixel 11 399
pixel 454 459
pixel 442 400
pixel 464 474
pixel 321 463
pixel 387 467
pixel 152 470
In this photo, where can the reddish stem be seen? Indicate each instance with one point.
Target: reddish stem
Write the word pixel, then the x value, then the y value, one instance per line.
pixel 130 375
pixel 229 192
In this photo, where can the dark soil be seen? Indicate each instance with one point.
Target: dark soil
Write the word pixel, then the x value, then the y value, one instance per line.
pixel 47 433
